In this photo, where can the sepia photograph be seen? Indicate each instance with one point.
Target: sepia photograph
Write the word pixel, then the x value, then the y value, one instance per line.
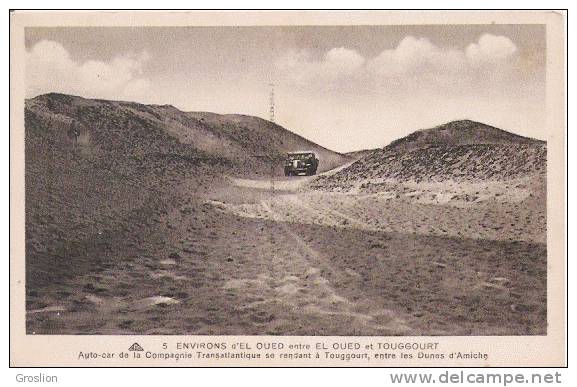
pixel 330 179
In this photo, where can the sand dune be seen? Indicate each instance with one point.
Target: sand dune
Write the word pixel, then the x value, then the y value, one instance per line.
pixel 147 226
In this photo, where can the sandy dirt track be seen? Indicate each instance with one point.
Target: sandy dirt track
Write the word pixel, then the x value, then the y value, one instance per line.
pixel 240 258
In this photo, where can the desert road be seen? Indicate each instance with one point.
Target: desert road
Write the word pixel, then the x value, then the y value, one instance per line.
pixel 242 258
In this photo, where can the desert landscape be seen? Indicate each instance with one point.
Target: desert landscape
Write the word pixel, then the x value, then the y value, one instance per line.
pixel 159 221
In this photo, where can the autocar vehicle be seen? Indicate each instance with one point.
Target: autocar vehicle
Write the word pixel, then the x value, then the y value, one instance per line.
pixel 301 163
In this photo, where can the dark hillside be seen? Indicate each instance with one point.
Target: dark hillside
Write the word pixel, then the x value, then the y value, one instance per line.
pixel 463 151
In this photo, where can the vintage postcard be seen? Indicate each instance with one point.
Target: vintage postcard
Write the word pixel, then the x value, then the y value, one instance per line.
pixel 288 188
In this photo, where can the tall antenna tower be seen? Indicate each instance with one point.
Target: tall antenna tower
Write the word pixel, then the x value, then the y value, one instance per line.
pixel 271 101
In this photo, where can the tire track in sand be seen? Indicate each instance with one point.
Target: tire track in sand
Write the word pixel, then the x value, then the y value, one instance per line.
pixel 320 298
pixel 345 219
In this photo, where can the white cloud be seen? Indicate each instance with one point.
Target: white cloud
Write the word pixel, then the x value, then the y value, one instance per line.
pixel 490 49
pixel 414 56
pixel 341 61
pixel 49 68
pixel 415 61
pixel 300 66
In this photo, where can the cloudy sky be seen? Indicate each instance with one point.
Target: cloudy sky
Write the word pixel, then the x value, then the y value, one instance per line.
pixel 346 88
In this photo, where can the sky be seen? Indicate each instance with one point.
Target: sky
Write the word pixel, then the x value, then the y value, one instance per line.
pixel 344 87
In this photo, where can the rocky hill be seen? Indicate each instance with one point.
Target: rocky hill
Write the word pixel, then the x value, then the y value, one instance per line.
pixel 463 151
pixel 246 138
pixel 119 175
pixel 356 155
pixel 245 143
pixel 461 132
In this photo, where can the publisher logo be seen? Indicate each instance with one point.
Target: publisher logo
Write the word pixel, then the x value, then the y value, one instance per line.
pixel 136 347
